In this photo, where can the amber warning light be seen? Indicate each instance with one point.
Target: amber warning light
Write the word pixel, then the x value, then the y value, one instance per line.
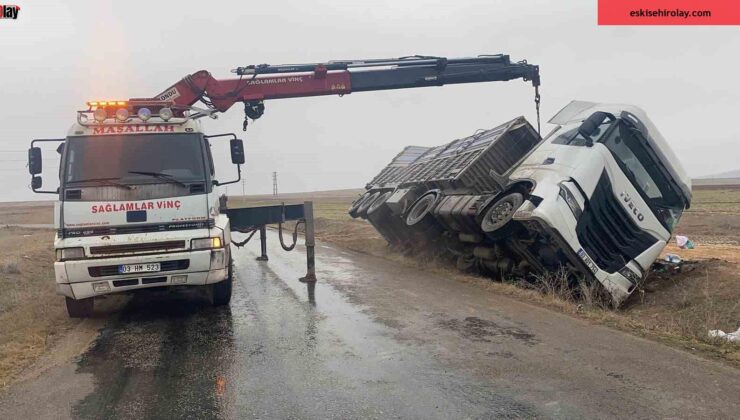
pixel 102 104
pixel 122 110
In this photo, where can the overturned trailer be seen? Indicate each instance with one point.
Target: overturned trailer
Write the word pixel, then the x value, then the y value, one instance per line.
pixel 596 199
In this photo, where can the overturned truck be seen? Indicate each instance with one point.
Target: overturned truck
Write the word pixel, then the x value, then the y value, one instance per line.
pixel 596 199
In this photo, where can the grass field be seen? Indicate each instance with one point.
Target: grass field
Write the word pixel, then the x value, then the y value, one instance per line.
pixel 677 308
pixel 31 315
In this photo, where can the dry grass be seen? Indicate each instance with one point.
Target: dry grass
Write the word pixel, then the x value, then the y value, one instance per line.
pixel 27 213
pixel 9 268
pixel 32 316
pixel 714 216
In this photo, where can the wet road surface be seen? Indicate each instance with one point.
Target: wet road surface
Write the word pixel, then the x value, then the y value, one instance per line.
pixel 380 341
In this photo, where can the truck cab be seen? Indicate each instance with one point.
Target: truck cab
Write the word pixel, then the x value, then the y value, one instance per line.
pixel 137 205
pixel 607 191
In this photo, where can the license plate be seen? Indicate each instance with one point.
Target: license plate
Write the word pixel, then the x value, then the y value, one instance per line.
pixel 589 262
pixel 138 268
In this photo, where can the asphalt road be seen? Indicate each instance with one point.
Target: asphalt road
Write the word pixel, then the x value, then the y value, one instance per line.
pixel 380 341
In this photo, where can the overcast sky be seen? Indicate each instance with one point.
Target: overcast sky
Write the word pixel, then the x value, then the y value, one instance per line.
pixel 58 55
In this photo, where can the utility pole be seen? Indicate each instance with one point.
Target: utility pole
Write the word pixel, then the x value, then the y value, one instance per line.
pixel 274 184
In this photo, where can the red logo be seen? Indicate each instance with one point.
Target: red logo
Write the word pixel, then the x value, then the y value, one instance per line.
pixel 9 11
pixel 136 128
pixel 669 12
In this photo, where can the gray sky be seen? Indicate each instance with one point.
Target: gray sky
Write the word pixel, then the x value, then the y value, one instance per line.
pixel 58 55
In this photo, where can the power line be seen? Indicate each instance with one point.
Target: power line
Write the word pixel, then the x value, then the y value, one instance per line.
pixel 274 184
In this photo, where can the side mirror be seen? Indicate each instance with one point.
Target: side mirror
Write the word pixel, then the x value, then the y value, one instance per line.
pixel 34 161
pixel 591 124
pixel 237 151
pixel 35 183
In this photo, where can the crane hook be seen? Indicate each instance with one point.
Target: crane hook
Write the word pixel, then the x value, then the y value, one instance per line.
pixel 253 110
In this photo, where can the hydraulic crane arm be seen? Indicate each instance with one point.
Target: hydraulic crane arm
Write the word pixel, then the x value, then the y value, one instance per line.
pixel 256 84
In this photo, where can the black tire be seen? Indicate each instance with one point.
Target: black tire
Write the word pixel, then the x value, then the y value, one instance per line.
pixel 365 205
pixel 353 210
pixel 497 216
pixel 222 290
pixel 79 308
pixel 422 207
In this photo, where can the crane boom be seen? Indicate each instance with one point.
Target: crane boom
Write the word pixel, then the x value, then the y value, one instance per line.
pixel 257 83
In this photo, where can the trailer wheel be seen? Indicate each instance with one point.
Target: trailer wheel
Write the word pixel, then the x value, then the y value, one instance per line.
pixel 222 290
pixel 423 206
pixel 353 210
pixel 365 205
pixel 500 213
pixel 79 308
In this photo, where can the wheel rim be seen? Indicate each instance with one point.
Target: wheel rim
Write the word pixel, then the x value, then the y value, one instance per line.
pixel 421 208
pixel 501 212
pixel 362 208
pixel 379 202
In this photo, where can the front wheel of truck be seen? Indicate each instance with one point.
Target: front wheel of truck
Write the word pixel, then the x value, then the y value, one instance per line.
pixel 79 308
pixel 222 289
pixel 496 217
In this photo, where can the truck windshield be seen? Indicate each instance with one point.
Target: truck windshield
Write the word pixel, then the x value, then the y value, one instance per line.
pixel 644 171
pixel 135 159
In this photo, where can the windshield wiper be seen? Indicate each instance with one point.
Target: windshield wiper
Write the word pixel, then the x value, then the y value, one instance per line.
pixel 103 181
pixel 159 175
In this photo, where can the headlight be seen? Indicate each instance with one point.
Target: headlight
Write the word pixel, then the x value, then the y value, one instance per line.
pixel 571 201
pixel 630 275
pixel 206 243
pixel 70 253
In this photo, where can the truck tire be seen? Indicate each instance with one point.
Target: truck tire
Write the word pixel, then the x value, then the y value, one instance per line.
pixel 79 308
pixel 222 290
pixel 497 216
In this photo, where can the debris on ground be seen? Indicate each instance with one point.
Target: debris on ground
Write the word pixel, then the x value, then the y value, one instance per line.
pixel 673 264
pixel 673 258
pixel 684 242
pixel 732 336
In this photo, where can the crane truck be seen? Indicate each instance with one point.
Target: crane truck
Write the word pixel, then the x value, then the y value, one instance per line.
pixel 137 204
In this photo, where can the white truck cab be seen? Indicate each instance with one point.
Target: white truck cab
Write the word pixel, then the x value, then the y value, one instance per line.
pixel 607 189
pixel 137 205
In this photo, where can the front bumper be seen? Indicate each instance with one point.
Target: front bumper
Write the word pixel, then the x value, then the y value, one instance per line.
pixel 75 278
pixel 555 217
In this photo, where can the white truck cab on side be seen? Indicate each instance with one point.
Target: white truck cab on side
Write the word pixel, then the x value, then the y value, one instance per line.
pixel 137 207
pixel 608 189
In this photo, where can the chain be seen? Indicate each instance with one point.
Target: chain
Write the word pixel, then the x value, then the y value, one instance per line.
pixel 537 106
pixel 244 242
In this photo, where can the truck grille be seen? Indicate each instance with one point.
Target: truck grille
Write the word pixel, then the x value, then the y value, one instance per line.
pixel 141 247
pixel 141 228
pixel 112 270
pixel 607 232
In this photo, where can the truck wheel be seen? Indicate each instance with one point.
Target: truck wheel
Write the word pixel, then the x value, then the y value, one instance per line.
pixel 79 308
pixel 500 212
pixel 222 290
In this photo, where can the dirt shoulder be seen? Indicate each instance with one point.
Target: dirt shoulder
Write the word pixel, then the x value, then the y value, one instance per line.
pixel 26 213
pixel 35 331
pixel 31 315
